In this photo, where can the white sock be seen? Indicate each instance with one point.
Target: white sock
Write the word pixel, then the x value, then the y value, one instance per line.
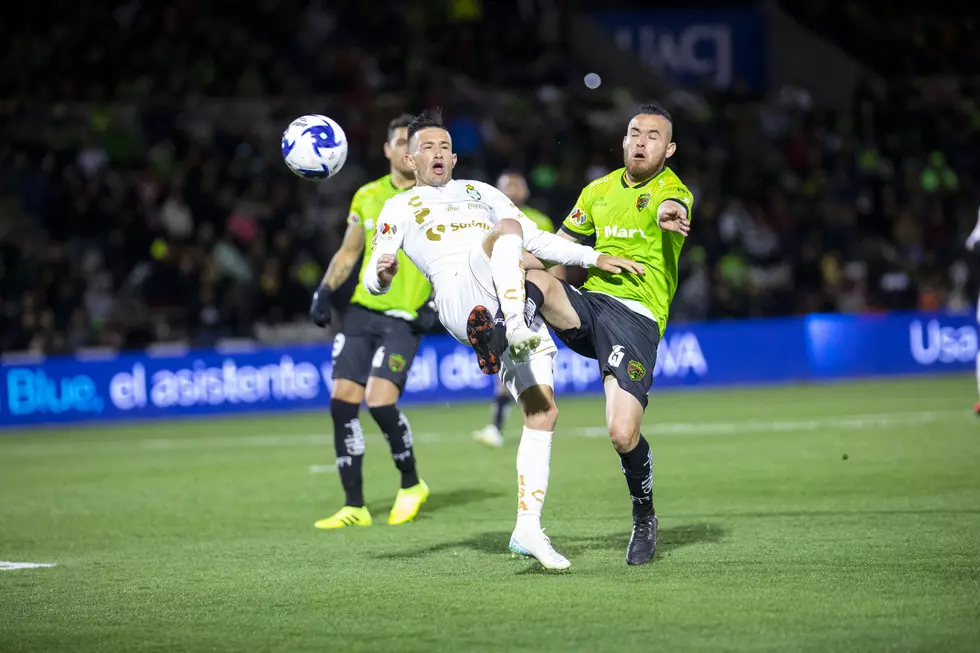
pixel 978 373
pixel 533 468
pixel 508 277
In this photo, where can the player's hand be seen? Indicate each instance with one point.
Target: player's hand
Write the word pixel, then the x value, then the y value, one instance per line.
pixel 672 217
pixel 618 265
pixel 320 310
pixel 427 320
pixel 387 268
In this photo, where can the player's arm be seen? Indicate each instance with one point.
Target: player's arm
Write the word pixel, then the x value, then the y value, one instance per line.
pixel 674 212
pixel 543 245
pixel 350 252
pixel 974 238
pixel 340 267
pixel 389 234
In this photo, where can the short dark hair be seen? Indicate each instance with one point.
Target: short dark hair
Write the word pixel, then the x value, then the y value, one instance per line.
pixel 654 109
pixel 428 118
pixel 402 120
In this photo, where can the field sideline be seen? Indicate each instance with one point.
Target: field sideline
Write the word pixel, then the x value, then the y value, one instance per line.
pixel 807 518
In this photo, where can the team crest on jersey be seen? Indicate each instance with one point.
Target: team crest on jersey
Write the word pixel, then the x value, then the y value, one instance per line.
pixel 396 363
pixel 387 230
pixel 642 201
pixel 473 193
pixel 578 217
pixel 636 371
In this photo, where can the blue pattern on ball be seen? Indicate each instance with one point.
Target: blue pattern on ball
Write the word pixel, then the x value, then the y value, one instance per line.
pixel 323 137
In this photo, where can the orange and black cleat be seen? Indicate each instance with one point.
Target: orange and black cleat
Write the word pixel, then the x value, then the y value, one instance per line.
pixel 487 339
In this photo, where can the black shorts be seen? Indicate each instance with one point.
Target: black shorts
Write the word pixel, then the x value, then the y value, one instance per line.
pixel 624 342
pixel 373 344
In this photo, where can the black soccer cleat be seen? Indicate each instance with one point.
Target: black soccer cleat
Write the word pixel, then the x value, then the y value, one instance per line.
pixel 643 541
pixel 487 338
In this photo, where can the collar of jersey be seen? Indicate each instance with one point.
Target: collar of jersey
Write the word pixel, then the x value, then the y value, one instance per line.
pixel 623 181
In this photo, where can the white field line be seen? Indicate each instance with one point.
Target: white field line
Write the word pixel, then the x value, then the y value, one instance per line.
pixel 6 565
pixel 655 430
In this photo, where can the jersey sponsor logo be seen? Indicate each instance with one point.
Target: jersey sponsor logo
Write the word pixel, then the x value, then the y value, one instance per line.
pixel 636 371
pixel 477 206
pixel 387 231
pixel 434 233
pixel 458 226
pixel 396 363
pixel 622 232
pixel 452 207
pixel 578 217
pixel 473 193
pixel 642 201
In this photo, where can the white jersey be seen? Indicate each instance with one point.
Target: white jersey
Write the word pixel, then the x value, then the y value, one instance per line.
pixel 439 227
pixel 442 229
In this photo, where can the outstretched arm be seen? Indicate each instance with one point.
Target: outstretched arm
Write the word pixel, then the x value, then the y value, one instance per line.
pixel 381 269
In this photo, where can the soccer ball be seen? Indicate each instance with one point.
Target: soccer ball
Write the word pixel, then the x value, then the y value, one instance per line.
pixel 314 147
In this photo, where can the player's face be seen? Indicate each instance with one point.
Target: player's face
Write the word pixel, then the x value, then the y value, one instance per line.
pixel 431 157
pixel 514 187
pixel 396 148
pixel 647 146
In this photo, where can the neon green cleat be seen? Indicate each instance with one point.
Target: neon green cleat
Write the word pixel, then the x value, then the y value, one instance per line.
pixel 408 502
pixel 346 516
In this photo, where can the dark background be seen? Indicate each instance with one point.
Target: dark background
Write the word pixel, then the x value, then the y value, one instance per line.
pixel 143 198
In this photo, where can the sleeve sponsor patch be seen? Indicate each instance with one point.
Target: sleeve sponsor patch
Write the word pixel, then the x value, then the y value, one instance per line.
pixel 353 218
pixel 578 217
pixel 386 230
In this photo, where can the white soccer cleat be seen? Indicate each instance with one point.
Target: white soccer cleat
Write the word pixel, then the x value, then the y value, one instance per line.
pixel 521 342
pixel 535 544
pixel 490 436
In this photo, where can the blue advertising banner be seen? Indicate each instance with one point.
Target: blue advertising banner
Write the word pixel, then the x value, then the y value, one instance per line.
pixel 694 47
pixel 207 382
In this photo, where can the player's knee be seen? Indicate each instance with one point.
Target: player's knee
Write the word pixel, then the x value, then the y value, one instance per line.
pixel 380 392
pixel 509 227
pixel 540 410
pixel 624 433
pixel 542 420
pixel 347 391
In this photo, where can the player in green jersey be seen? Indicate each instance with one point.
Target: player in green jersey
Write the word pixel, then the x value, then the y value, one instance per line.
pixel 641 212
pixel 514 186
pixel 374 350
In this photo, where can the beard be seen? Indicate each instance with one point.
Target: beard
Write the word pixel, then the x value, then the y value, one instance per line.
pixel 640 169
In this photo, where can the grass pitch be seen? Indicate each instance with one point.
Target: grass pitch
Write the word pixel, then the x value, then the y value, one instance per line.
pixel 197 536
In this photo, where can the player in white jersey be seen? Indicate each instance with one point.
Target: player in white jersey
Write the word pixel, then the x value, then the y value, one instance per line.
pixel 468 240
pixel 972 244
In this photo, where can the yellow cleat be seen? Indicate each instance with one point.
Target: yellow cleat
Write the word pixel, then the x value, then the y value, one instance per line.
pixel 346 516
pixel 408 502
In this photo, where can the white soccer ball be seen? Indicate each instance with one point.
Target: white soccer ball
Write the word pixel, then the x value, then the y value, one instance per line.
pixel 314 147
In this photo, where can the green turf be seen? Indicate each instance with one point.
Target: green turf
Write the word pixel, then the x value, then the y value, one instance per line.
pixel 194 536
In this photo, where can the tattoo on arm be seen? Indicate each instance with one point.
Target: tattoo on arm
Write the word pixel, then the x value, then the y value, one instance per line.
pixel 345 259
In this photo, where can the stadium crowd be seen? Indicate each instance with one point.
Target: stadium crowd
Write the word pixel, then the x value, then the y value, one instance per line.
pixel 142 197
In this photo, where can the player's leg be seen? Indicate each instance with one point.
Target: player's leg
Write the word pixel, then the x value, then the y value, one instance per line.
pixel 505 245
pixel 532 382
pixel 976 406
pixel 545 295
pixel 389 372
pixel 624 415
pixel 352 352
pixel 492 434
pixel 626 348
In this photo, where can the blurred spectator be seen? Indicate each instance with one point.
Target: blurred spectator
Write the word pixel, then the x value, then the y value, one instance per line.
pixel 142 196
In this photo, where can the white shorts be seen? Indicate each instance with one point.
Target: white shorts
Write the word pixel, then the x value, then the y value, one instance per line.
pixel 474 287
